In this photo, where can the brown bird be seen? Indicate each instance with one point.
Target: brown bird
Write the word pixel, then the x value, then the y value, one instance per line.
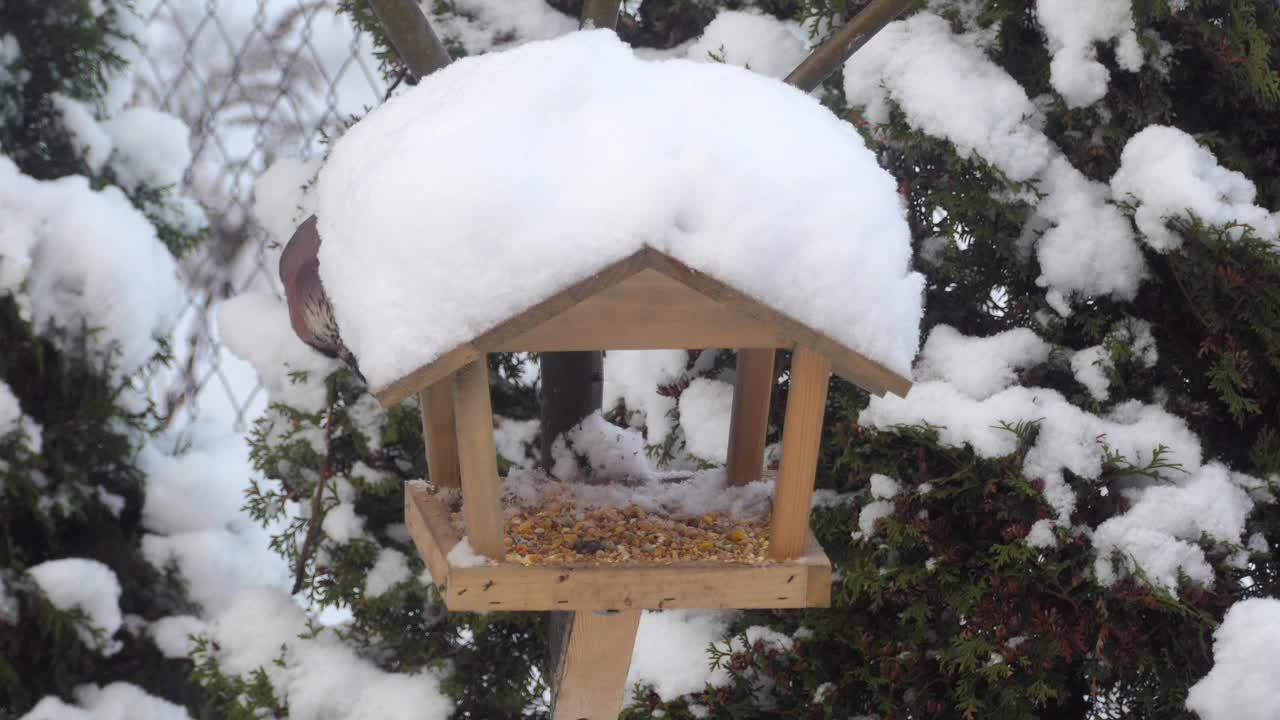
pixel 310 312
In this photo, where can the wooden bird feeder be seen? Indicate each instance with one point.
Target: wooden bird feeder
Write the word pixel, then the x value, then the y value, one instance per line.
pixel 646 301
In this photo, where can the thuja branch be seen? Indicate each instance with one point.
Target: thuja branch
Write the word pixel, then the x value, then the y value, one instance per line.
pixel 317 501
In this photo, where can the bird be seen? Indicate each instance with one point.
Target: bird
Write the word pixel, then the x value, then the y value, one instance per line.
pixel 310 311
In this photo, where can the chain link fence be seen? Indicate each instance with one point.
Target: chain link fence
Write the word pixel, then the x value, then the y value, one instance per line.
pixel 255 80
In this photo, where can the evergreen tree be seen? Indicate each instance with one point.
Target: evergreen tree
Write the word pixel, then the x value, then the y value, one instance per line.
pixel 980 571
pixel 75 590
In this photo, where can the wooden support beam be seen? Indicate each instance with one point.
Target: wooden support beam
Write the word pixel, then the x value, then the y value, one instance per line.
pixel 599 14
pixel 439 434
pixel 478 460
pixel 411 35
pixel 749 421
pixel 838 48
pixel 592 674
pixel 801 441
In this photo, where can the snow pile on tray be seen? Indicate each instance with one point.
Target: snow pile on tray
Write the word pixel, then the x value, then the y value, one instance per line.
pixel 317 676
pixel 670 494
pixel 618 474
pixel 1244 683
pixel 753 40
pixel 88 586
pixel 948 88
pixel 71 256
pixel 116 701
pixel 1073 28
pixel 1166 173
pixel 598 154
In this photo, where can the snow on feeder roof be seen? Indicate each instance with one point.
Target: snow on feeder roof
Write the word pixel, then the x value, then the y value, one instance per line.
pixel 518 183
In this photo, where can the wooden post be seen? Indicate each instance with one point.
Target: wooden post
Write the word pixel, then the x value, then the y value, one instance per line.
pixel 592 675
pixel 440 434
pixel 749 422
pixel 600 14
pixel 801 440
pixel 478 460
pixel 843 43
pixel 411 35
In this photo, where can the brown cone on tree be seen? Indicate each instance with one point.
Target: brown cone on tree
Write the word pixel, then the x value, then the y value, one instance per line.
pixel 310 312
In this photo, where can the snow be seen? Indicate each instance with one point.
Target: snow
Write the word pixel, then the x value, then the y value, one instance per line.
pixel 884 487
pixel 87 134
pixel 596 448
pixel 534 187
pixel 318 676
pixel 10 611
pixel 117 701
pixel 516 440
pixel 172 634
pixel 484 25
pixel 1041 535
pixel 948 88
pixel 1159 534
pixel 705 410
pixel 753 40
pixel 671 651
pixel 79 252
pixel 12 418
pixel 1166 173
pixel 89 586
pixel 634 376
pixel 341 524
pixel 151 148
pixel 1073 27
pixel 390 569
pixel 979 367
pixel 1244 683
pixel 1069 438
pixel 463 555
pixel 1090 367
pixel 218 563
pixel 255 326
pixel 870 513
pixel 281 201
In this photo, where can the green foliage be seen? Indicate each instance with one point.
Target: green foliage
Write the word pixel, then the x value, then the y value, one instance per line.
pixel 943 610
pixel 76 492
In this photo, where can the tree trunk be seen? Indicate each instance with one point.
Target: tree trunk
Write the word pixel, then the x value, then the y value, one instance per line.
pixel 572 384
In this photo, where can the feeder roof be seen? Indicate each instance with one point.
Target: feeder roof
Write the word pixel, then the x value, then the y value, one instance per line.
pixel 504 181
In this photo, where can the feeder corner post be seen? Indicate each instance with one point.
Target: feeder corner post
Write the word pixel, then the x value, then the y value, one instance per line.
pixel 749 418
pixel 801 443
pixel 478 460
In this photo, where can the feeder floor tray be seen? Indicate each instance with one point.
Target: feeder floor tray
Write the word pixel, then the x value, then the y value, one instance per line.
pixel 802 582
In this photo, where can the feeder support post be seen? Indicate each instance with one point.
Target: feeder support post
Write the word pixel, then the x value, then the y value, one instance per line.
pixel 749 420
pixel 590 678
pixel 411 35
pixel 478 460
pixel 801 441
pixel 440 434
